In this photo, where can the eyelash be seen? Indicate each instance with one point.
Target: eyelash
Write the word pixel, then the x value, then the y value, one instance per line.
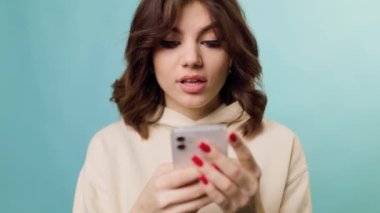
pixel 173 44
pixel 212 43
pixel 169 44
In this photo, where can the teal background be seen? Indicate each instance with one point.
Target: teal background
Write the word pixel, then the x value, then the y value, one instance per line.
pixel 58 60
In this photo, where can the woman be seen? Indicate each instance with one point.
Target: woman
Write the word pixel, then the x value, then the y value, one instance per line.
pixel 192 62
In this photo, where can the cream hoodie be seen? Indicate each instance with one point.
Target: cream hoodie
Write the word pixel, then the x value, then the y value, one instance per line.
pixel 119 163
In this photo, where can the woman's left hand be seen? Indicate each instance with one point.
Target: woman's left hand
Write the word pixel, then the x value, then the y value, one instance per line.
pixel 232 185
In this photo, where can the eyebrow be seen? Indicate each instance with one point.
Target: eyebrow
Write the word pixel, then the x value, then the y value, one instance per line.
pixel 201 31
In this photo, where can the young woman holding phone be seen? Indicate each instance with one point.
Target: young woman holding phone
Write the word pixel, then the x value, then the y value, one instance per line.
pixel 192 62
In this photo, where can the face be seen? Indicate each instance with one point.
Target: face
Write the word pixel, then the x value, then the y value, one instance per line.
pixel 191 65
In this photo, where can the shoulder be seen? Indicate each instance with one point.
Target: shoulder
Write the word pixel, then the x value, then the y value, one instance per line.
pixel 280 156
pixel 282 143
pixel 109 143
pixel 276 132
pixel 115 130
pixel 275 143
pixel 113 136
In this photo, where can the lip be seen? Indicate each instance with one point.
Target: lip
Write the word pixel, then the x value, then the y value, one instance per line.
pixel 192 78
pixel 192 84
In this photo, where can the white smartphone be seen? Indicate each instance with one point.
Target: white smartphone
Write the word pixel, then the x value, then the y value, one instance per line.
pixel 185 141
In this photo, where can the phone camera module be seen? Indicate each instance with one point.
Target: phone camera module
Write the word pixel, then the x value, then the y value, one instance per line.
pixel 180 139
pixel 181 146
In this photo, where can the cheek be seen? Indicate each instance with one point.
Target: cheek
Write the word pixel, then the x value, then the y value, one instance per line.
pixel 157 62
pixel 219 58
pixel 162 61
pixel 158 68
pixel 221 70
pixel 221 65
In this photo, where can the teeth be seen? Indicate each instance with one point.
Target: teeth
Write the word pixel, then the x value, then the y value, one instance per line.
pixel 192 81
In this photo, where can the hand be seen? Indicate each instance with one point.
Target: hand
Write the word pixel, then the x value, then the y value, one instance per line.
pixel 233 185
pixel 172 190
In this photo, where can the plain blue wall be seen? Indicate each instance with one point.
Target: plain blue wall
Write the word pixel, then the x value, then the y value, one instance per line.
pixel 58 60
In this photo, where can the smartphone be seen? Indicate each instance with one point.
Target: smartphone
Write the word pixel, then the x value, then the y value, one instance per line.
pixel 185 142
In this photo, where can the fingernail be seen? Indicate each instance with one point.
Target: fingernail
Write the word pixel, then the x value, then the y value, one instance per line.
pixel 216 167
pixel 204 147
pixel 203 179
pixel 233 137
pixel 197 161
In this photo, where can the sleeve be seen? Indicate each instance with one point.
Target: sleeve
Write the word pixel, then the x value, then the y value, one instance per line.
pixel 297 196
pixel 92 191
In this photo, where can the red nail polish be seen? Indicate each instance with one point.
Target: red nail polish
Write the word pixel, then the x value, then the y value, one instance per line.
pixel 216 167
pixel 197 161
pixel 204 147
pixel 203 179
pixel 233 137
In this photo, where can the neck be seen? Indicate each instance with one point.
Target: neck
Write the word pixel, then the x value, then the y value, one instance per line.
pixel 198 113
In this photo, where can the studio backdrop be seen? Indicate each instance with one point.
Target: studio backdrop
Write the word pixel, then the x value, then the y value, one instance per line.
pixel 58 59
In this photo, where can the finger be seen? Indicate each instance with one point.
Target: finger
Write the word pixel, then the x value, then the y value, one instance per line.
pixel 218 180
pixel 213 193
pixel 227 204
pixel 177 178
pixel 180 195
pixel 245 181
pixel 243 153
pixel 190 206
pixel 224 165
pixel 247 161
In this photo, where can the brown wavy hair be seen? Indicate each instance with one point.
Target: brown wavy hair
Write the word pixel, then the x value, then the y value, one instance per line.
pixel 137 93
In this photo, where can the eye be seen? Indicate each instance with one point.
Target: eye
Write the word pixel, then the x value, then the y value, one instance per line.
pixel 212 43
pixel 169 44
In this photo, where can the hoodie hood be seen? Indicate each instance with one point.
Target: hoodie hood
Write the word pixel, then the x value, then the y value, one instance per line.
pixel 224 114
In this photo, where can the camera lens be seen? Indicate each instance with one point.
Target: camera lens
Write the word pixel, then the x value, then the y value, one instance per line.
pixel 181 147
pixel 181 139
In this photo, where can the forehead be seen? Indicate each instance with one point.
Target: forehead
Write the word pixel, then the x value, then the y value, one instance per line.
pixel 193 17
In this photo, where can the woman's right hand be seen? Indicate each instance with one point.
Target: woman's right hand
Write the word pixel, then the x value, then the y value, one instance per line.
pixel 172 190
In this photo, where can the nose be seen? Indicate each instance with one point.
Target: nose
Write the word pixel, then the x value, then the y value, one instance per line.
pixel 191 56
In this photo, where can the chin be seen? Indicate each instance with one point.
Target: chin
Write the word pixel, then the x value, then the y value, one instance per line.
pixel 198 103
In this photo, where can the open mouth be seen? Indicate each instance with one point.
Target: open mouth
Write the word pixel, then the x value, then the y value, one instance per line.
pixel 193 85
pixel 192 81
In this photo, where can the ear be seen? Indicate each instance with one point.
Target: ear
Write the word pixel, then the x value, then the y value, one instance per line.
pixel 229 67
